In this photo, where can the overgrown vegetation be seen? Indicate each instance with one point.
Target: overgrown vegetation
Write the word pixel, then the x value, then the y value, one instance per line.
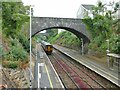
pixel 66 39
pixel 24 41
pixel 104 26
pixel 50 33
pixel 15 44
pixel 1 50
pixel 16 52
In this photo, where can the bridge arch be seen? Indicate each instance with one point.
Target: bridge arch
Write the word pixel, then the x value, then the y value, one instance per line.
pixel 76 26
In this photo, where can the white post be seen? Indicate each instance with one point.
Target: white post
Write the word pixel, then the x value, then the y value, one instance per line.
pixel 36 52
pixel 108 46
pixel 82 46
pixel 108 58
pixel 30 48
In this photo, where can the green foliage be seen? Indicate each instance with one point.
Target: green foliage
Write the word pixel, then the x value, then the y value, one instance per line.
pixel 24 41
pixel 66 39
pixel 115 44
pixel 103 47
pixel 98 46
pixel 51 32
pixel 16 51
pixel 1 50
pixel 89 23
pixel 13 17
pixel 39 37
pixel 12 65
pixel 53 39
pixel 101 28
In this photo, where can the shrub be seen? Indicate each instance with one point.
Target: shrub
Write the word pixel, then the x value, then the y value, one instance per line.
pixel 103 47
pixel 24 41
pixel 1 50
pixel 12 65
pixel 16 52
pixel 115 44
pixel 66 39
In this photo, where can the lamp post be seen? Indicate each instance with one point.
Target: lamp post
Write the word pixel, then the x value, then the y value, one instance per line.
pixel 108 50
pixel 82 46
pixel 30 46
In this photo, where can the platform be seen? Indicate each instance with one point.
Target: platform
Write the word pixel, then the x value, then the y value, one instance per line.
pixel 101 70
pixel 45 75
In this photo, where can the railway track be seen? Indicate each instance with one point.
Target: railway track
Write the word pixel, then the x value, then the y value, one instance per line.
pixel 67 81
pixel 85 77
pixel 95 76
pixel 81 77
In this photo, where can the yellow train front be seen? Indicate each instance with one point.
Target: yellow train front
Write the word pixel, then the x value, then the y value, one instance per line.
pixel 48 48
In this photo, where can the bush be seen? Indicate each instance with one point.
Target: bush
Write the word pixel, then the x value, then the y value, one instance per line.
pixel 66 39
pixel 24 41
pixel 115 44
pixel 1 50
pixel 13 65
pixel 53 39
pixel 103 47
pixel 16 51
pixel 10 64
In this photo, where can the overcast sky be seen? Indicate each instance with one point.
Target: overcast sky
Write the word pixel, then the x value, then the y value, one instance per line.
pixel 58 8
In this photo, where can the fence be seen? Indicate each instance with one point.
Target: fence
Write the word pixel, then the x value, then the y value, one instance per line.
pixel 113 61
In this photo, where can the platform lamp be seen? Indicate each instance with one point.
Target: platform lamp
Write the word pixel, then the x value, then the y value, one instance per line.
pixel 108 50
pixel 31 13
pixel 108 45
pixel 82 45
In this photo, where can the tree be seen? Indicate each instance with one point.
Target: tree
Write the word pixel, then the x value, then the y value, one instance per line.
pixel 103 24
pixel 13 17
pixel 51 33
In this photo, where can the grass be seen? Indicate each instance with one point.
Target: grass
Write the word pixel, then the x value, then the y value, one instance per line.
pixel 97 59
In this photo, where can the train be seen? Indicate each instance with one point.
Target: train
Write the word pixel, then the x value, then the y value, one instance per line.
pixel 48 48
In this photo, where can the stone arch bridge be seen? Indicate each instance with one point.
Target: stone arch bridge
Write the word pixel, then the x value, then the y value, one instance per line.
pixel 73 25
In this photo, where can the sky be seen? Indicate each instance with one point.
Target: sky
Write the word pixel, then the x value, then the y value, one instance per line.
pixel 58 8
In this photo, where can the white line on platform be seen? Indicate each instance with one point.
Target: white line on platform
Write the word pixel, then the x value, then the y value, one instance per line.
pixel 45 88
pixel 42 64
pixel 39 75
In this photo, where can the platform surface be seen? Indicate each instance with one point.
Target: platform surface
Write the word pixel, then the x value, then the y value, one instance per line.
pixel 45 75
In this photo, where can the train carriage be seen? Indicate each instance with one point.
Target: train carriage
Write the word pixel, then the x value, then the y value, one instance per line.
pixel 47 47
